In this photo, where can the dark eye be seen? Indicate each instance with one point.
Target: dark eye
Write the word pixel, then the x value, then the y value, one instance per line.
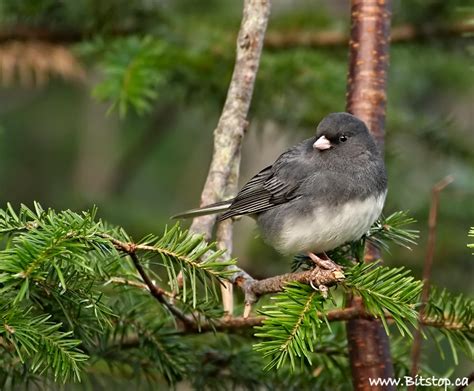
pixel 342 138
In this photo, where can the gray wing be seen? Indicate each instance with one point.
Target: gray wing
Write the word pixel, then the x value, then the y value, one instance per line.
pixel 274 185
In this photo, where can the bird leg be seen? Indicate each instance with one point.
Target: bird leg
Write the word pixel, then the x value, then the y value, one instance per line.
pixel 326 263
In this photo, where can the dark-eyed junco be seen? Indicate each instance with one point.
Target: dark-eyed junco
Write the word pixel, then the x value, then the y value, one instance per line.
pixel 321 193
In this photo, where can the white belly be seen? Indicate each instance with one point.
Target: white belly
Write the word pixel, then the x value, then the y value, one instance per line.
pixel 328 228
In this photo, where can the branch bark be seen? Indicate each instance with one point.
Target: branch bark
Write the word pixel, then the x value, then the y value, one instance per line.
pixel 224 235
pixel 369 350
pixel 336 315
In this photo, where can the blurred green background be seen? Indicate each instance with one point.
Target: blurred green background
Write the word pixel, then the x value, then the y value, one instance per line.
pixel 74 132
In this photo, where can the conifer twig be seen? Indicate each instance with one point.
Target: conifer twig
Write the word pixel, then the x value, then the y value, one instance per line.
pixel 428 264
pixel 157 292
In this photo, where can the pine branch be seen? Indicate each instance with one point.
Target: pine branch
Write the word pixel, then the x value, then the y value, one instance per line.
pixel 392 229
pixel 386 289
pixel 292 325
pixel 61 262
pixel 40 344
pixel 142 340
pixel 183 252
pixel 453 316
pixel 399 34
pixel 133 69
pixel 275 40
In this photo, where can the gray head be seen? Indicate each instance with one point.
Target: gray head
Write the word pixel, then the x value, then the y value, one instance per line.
pixel 344 133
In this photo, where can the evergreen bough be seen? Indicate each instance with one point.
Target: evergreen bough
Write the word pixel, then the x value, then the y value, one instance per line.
pixel 71 300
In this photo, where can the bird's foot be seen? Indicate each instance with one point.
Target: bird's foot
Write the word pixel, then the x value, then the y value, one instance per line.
pixel 324 262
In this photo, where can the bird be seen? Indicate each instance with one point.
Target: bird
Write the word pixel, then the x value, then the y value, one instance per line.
pixel 318 195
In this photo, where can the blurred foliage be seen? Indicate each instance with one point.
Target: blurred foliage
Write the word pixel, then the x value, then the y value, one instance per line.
pixel 165 66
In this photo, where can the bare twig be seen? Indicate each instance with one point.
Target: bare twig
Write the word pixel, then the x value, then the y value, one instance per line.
pixel 428 264
pixel 233 120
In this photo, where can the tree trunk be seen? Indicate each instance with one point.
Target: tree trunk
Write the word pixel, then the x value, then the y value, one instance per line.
pixel 369 350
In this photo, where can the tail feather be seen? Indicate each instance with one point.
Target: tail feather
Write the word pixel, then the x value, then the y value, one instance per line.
pixel 218 207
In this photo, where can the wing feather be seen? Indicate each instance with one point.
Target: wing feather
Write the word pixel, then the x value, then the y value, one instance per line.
pixel 262 192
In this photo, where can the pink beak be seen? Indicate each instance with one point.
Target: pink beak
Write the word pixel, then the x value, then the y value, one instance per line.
pixel 322 143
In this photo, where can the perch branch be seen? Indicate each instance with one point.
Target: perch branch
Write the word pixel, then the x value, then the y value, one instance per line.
pixel 428 264
pixel 253 289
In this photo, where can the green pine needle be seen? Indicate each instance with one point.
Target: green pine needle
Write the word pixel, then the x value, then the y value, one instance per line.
pixel 456 313
pixel 41 344
pixel 292 326
pixel 386 290
pixel 392 229
pixel 133 72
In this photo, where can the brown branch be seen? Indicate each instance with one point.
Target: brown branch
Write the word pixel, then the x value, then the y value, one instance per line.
pixel 428 265
pixel 253 289
pixel 278 40
pixel 335 315
pixel 369 350
pixel 233 121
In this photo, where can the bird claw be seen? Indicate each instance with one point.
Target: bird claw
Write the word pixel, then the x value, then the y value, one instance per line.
pixel 323 289
pixel 326 264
